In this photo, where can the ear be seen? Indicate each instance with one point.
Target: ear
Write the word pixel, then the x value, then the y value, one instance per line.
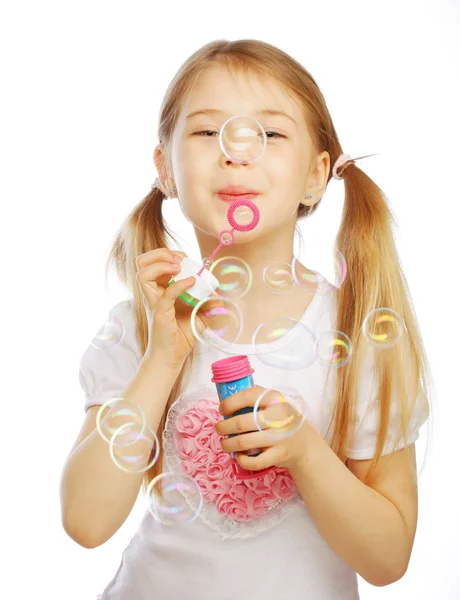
pixel 166 181
pixel 317 179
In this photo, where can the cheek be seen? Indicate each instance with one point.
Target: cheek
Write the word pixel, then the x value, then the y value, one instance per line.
pixel 198 153
pixel 283 164
pixel 279 167
pixel 195 177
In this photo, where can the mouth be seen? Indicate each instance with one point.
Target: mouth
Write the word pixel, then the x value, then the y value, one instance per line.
pixel 232 197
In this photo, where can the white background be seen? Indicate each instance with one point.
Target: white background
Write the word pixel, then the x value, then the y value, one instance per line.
pixel 82 86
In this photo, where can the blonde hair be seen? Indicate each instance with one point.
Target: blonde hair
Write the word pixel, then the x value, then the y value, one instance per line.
pixel 374 275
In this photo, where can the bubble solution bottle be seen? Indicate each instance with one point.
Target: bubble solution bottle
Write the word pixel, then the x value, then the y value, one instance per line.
pixel 232 375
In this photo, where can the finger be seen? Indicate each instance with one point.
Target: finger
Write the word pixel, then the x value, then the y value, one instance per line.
pixel 241 423
pixel 154 271
pixel 153 280
pixel 270 457
pixel 157 254
pixel 246 441
pixel 165 310
pixel 241 399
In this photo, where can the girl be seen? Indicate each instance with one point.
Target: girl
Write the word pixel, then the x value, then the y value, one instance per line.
pixel 345 483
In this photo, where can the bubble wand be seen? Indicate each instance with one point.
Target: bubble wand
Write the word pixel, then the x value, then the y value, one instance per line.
pixel 235 226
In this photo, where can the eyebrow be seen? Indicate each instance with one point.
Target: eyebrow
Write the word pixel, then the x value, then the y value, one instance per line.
pixel 215 111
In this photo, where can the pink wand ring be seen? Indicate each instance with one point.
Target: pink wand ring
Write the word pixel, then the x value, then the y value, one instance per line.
pixel 231 211
pixel 235 226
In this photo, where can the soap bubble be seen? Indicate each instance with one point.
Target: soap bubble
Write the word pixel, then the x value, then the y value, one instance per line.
pixel 138 451
pixel 116 413
pixel 383 327
pixel 223 320
pixel 234 276
pixel 242 139
pixel 110 334
pixel 174 498
pixel 280 412
pixel 318 282
pixel 243 214
pixel 226 237
pixel 334 348
pixel 284 343
pixel 278 277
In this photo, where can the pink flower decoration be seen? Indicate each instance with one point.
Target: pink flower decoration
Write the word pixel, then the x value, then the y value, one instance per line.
pixel 202 457
pixel 190 423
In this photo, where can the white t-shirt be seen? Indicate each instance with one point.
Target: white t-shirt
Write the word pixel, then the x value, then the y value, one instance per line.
pixel 280 554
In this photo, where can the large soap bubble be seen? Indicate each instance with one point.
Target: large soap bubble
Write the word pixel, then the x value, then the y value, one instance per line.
pixel 174 498
pixel 242 139
pixel 383 327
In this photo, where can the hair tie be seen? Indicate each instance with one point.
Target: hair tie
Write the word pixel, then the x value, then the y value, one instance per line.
pixel 168 194
pixel 156 184
pixel 342 160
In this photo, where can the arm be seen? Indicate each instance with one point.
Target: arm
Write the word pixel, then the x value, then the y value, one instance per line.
pixel 96 495
pixel 370 532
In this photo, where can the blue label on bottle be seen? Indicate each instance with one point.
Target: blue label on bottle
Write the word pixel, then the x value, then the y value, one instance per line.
pixel 229 388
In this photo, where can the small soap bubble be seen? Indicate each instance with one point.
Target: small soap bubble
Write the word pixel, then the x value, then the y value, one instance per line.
pixel 284 343
pixel 227 238
pixel 278 277
pixel 174 498
pixel 115 413
pixel 243 215
pixel 223 322
pixel 234 276
pixel 318 282
pixel 134 450
pixel 334 348
pixel 280 412
pixel 242 139
pixel 383 327
pixel 207 262
pixel 110 334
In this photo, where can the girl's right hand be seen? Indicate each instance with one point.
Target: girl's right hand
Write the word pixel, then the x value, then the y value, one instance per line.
pixel 170 333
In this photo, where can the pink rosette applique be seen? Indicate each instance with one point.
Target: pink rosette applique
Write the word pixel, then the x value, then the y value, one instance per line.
pixel 201 456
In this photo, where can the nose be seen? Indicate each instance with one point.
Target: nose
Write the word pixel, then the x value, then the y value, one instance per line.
pixel 229 161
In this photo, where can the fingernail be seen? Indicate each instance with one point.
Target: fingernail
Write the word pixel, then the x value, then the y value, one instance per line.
pixel 177 258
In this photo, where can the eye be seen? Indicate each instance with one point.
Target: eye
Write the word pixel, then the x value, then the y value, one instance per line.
pixel 206 131
pixel 274 133
pixel 270 134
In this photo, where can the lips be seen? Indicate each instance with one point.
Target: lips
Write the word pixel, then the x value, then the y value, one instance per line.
pixel 233 197
pixel 236 190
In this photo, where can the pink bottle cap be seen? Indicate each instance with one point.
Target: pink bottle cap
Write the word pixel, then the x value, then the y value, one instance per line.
pixel 231 369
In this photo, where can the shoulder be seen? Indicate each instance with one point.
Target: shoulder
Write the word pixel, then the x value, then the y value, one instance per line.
pixel 112 358
pixel 118 333
pixel 122 309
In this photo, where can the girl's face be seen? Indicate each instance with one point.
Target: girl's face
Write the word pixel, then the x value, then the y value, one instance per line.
pixel 200 168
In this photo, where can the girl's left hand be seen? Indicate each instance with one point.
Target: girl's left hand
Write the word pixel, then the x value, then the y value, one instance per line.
pixel 284 444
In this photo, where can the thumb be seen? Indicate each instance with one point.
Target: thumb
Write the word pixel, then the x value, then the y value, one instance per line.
pixel 165 306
